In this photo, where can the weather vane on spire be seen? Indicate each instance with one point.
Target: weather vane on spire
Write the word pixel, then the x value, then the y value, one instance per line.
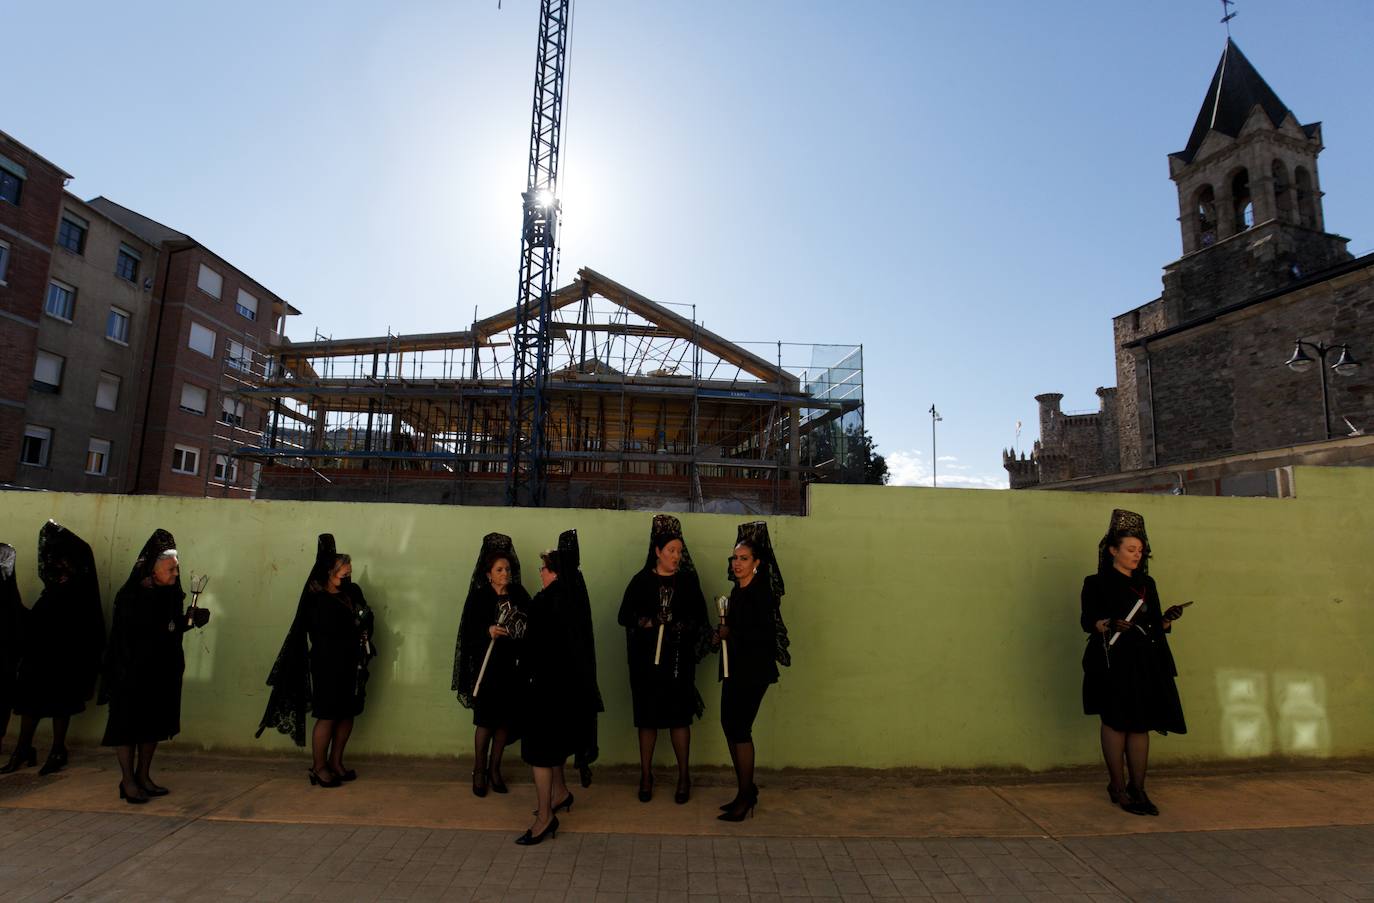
pixel 1227 15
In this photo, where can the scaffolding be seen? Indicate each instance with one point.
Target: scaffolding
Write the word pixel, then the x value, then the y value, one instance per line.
pixel 646 408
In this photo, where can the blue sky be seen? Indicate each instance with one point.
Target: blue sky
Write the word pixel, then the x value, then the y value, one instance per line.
pixel 971 190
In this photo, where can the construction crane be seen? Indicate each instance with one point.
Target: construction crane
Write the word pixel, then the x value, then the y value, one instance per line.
pixel 527 449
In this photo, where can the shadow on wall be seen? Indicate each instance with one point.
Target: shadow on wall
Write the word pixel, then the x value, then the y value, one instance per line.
pixel 1296 725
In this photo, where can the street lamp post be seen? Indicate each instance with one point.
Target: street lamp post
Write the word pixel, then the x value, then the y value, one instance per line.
pixel 1301 362
pixel 934 459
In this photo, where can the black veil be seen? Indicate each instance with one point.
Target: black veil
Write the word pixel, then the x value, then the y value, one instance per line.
pixel 290 675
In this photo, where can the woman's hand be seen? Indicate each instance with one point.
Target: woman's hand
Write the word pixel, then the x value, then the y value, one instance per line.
pixel 198 617
pixel 494 631
pixel 1173 613
pixel 722 632
pixel 647 623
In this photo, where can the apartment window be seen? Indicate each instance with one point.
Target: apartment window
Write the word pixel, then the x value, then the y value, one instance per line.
pixel 47 371
pixel 237 356
pixel 107 392
pixel 231 412
pixel 12 177
pixel 71 234
pixel 209 281
pixel 117 326
pixel 37 443
pixel 226 469
pixel 126 263
pixel 193 398
pixel 246 305
pixel 202 340
pixel 61 301
pixel 185 459
pixel 4 260
pixel 98 457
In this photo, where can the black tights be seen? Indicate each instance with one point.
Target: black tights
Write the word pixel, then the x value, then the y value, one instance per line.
pixel 742 757
pixel 1132 747
pixel 28 726
pixel 682 748
pixel 327 744
pixel 485 764
pixel 133 769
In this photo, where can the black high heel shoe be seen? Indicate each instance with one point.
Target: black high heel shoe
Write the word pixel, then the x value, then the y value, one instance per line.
pixel 497 784
pixel 566 805
pixel 55 762
pixel 646 793
pixel 1140 801
pixel 479 783
pixel 529 838
pixel 151 788
pixel 753 792
pixel 20 758
pixel 316 780
pixel 738 811
pixel 132 800
pixel 683 792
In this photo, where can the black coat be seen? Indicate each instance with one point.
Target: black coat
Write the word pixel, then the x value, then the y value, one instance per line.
pixel 665 695
pixel 498 698
pixel 11 610
pixel 556 696
pixel 339 628
pixel 753 642
pixel 1130 684
pixel 144 664
pixel 61 641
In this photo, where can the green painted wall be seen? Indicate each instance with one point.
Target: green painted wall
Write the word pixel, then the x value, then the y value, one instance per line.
pixel 930 628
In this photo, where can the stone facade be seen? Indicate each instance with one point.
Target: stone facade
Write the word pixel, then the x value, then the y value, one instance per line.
pixel 1199 369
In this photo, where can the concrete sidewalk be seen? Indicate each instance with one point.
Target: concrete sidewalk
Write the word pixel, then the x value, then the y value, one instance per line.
pixel 253 828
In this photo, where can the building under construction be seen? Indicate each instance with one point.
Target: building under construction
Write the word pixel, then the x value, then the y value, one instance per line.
pixel 645 408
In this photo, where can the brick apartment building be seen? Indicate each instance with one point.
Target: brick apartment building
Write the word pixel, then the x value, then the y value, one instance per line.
pixel 129 334
pixel 1203 402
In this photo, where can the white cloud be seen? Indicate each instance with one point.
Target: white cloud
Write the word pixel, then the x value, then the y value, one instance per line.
pixel 910 468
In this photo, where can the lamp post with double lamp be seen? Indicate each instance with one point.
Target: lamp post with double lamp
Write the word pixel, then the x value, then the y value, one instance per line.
pixel 934 460
pixel 1301 362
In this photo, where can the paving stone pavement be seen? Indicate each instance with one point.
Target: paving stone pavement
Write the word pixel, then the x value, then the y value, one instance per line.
pixel 88 856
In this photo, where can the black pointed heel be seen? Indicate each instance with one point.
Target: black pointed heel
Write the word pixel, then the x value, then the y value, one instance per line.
pixel 566 805
pixel 20 758
pixel 646 793
pixel 529 838
pixel 151 788
pixel 497 784
pixel 479 783
pixel 738 813
pixel 683 792
pixel 753 793
pixel 55 762
pixel 132 800
pixel 316 780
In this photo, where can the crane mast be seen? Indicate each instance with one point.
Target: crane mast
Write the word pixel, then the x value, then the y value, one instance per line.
pixel 527 449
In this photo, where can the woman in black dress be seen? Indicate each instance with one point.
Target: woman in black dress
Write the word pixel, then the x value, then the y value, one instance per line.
pixel 1129 684
pixel 60 644
pixel 323 664
pixel 490 635
pixel 144 664
pixel 550 710
pixel 664 600
pixel 10 609
pixel 757 643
